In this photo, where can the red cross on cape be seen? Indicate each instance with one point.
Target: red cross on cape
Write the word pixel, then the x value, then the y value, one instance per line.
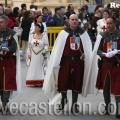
pixel 104 28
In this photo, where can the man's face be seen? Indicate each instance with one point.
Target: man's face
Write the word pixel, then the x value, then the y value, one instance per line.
pixel 110 25
pixel 73 21
pixel 58 12
pixel 62 11
pixel 3 24
pixel 45 11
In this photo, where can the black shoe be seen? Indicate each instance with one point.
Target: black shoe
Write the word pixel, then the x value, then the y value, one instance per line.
pixel 74 109
pixel 62 104
pixel 117 115
pixel 4 110
pixel 106 112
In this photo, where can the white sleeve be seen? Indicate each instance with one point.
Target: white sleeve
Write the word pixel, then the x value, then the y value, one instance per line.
pixel 46 43
pixel 45 27
pixel 98 26
pixel 29 46
pixel 32 27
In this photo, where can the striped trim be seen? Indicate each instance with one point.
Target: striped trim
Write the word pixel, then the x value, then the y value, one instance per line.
pixel 34 82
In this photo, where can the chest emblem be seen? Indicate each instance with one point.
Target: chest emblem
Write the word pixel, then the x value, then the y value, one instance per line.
pixel 111 46
pixel 74 43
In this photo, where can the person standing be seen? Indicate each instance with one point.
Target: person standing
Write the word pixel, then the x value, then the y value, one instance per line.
pixel 25 25
pixel 37 46
pixel 9 68
pixel 101 23
pixel 70 10
pixel 109 66
pixel 68 68
pixel 58 18
pixel 48 19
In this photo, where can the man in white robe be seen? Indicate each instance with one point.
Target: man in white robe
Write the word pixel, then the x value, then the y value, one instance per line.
pixel 79 48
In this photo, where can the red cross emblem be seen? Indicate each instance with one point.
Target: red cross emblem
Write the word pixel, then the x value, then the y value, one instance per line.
pixel 36 43
pixel 104 28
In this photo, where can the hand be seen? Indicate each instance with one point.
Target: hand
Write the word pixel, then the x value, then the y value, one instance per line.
pixel 82 57
pixel 5 49
pixel 111 53
pixel 118 51
pixel 29 57
pixel 115 51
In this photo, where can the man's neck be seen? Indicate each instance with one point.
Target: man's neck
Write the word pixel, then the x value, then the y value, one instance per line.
pixel 111 31
pixel 73 28
pixel 2 30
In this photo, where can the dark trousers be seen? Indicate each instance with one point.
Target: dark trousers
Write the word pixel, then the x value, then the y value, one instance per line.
pixel 74 96
pixel 4 97
pixel 106 92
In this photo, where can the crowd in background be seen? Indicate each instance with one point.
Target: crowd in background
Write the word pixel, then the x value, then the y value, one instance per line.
pixel 89 21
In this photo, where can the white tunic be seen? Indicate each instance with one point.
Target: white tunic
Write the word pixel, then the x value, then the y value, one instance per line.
pixel 35 71
pixel 101 25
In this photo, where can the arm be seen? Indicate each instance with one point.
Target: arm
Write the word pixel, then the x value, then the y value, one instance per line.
pixel 29 48
pixel 100 48
pixel 108 54
pixel 13 46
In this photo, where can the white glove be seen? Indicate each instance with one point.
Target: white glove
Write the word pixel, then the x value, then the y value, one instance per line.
pixel 115 51
pixel 118 51
pixel 111 53
pixel 5 49
pixel 46 47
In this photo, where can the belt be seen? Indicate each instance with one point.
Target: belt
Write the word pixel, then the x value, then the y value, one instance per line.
pixel 70 58
pixel 5 57
pixel 111 63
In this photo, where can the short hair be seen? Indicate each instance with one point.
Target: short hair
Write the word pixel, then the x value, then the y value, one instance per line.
pixel 62 7
pixel 106 11
pixel 86 6
pixel 2 16
pixel 40 25
pixel 1 5
pixel 56 9
pixel 32 6
pixel 35 7
pixel 83 8
pixel 44 8
pixel 23 5
pixel 113 18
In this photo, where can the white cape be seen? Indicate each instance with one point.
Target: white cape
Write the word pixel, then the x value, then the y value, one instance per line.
pixel 50 81
pixel 94 65
pixel 18 71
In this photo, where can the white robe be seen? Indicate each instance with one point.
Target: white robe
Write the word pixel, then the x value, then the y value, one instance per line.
pixel 51 78
pixel 94 65
pixel 36 67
